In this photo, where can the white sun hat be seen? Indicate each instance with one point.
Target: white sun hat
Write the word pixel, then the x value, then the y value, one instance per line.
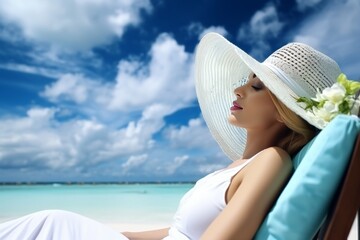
pixel 293 71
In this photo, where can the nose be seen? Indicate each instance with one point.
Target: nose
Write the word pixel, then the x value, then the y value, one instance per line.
pixel 239 92
pixel 239 87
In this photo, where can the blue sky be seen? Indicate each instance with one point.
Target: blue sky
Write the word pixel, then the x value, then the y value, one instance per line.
pixel 103 90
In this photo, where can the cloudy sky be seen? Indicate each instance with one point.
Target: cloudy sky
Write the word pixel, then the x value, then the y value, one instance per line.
pixel 103 90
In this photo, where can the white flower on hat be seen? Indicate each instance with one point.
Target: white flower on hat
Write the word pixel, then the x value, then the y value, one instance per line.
pixel 335 93
pixel 326 113
pixel 340 98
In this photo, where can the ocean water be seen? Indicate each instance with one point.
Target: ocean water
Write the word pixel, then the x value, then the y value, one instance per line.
pixel 108 203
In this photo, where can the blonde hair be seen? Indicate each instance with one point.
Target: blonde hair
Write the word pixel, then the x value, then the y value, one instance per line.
pixel 300 131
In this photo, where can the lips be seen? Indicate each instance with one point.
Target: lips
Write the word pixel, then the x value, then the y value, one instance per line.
pixel 235 106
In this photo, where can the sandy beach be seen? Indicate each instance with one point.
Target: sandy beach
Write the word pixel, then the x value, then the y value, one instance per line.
pixel 125 227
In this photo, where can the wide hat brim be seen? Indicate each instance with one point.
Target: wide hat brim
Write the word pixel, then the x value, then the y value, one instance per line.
pixel 219 66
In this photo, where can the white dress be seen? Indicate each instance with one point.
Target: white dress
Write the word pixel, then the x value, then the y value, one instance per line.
pixel 56 225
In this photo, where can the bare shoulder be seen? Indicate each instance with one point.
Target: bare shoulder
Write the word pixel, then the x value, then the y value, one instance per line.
pixel 273 154
pixel 272 158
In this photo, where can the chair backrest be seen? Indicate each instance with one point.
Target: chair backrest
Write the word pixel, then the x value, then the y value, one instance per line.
pixel 346 202
pixel 313 190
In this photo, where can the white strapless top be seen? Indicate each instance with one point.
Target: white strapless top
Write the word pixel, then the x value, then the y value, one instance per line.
pixel 202 204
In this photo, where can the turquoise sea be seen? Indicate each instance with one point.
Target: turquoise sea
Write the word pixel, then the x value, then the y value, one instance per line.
pixel 127 203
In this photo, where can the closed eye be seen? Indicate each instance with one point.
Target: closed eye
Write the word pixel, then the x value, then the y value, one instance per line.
pixel 256 88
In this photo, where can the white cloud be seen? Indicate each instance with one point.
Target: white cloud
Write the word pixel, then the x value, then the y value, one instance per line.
pixel 221 30
pixel 166 79
pixel 334 32
pixel 170 168
pixel 208 168
pixel 263 26
pixel 73 24
pixel 134 162
pixel 99 123
pixel 57 37
pixel 305 4
pixel 43 71
pixel 39 140
pixel 23 140
pixel 69 86
pixel 73 87
pixel 85 96
pixel 199 30
pixel 195 135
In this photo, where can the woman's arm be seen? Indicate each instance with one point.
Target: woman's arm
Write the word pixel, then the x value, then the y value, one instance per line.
pixel 147 235
pixel 261 183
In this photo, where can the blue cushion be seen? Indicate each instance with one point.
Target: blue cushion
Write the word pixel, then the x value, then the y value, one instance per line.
pixel 320 165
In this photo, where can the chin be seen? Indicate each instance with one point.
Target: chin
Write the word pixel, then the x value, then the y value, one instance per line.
pixel 233 121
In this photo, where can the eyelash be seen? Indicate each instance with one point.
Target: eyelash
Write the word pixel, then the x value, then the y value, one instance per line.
pixel 256 88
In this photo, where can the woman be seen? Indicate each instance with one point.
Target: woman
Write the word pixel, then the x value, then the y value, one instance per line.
pixel 267 126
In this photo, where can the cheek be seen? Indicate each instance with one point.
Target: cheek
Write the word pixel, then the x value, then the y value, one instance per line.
pixel 267 107
pixel 264 108
pixel 267 111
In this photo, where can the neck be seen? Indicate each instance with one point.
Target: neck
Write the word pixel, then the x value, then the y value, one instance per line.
pixel 258 140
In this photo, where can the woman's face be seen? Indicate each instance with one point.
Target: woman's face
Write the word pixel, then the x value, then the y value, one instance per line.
pixel 253 107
